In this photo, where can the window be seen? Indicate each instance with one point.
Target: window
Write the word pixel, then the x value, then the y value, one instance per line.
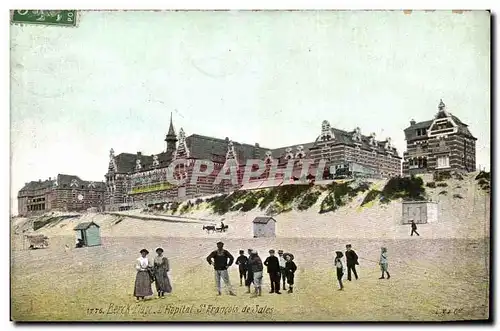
pixel 443 162
pixel 418 132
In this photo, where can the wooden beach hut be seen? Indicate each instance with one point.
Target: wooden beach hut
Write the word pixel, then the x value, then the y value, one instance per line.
pixel 89 233
pixel 264 227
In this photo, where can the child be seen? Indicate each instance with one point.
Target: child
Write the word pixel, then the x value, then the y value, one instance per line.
pixel 340 268
pixel 290 268
pixel 242 262
pixel 384 263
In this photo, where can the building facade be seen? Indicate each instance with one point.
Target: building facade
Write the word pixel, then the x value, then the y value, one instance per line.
pixel 63 193
pixel 137 180
pixel 443 143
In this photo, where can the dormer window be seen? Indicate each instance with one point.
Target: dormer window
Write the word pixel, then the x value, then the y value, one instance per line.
pixel 300 152
pixel 356 136
pixel 372 140
pixel 326 131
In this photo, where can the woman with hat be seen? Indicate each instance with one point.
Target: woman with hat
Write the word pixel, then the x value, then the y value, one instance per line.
pixel 290 268
pixel 161 269
pixel 142 279
pixel 340 268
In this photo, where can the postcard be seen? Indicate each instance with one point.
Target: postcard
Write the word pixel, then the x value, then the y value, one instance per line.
pixel 250 166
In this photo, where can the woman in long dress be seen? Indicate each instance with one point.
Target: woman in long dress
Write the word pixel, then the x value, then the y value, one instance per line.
pixel 143 278
pixel 161 269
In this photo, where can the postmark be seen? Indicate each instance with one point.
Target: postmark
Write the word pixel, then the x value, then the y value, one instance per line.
pixel 45 17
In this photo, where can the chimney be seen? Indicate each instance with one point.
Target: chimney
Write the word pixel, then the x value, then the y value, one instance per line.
pixel 139 154
pixel 412 122
pixel 50 178
pixel 39 180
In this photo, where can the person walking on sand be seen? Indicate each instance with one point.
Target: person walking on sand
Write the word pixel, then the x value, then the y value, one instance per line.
pixel 282 268
pixel 384 264
pixel 242 262
pixel 249 278
pixel 257 269
pixel 340 268
pixel 143 278
pixel 273 269
pixel 413 228
pixel 290 268
pixel 351 259
pixel 161 268
pixel 220 262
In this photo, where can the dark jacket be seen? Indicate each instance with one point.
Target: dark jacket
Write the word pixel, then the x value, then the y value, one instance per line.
pixel 220 259
pixel 273 264
pixel 351 258
pixel 413 226
pixel 256 263
pixel 290 267
pixel 242 262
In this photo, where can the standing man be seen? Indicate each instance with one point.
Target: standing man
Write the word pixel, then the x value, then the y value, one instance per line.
pixel 257 268
pixel 242 262
pixel 220 262
pixel 249 278
pixel 282 268
pixel 351 260
pixel 414 228
pixel 273 269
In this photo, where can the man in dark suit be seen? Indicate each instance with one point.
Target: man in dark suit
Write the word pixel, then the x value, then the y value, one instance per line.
pixel 413 228
pixel 273 269
pixel 351 260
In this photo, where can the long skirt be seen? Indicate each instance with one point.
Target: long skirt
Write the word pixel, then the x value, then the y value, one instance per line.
pixel 162 281
pixel 143 284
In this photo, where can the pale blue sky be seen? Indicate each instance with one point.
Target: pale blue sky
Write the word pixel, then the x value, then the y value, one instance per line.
pixel 266 77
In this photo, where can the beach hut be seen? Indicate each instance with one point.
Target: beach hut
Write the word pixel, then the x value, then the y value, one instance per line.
pixel 421 212
pixel 264 227
pixel 89 233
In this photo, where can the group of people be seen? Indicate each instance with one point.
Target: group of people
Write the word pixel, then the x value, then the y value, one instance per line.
pixel 251 269
pixel 149 272
pixel 352 261
pixel 281 270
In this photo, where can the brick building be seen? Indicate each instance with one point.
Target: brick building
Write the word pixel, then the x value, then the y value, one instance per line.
pixel 138 180
pixel 443 143
pixel 63 193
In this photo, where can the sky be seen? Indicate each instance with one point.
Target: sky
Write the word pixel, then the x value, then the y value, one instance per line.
pixel 255 77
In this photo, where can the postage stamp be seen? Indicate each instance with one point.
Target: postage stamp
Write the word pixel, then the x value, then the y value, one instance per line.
pixel 251 166
pixel 47 17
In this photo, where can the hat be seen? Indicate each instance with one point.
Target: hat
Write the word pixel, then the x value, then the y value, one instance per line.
pixel 348 246
pixel 280 251
pixel 339 254
pixel 220 243
pixel 271 251
pixel 288 254
pixel 159 249
pixel 144 250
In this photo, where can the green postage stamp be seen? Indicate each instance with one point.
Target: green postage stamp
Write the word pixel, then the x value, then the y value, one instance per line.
pixel 48 17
